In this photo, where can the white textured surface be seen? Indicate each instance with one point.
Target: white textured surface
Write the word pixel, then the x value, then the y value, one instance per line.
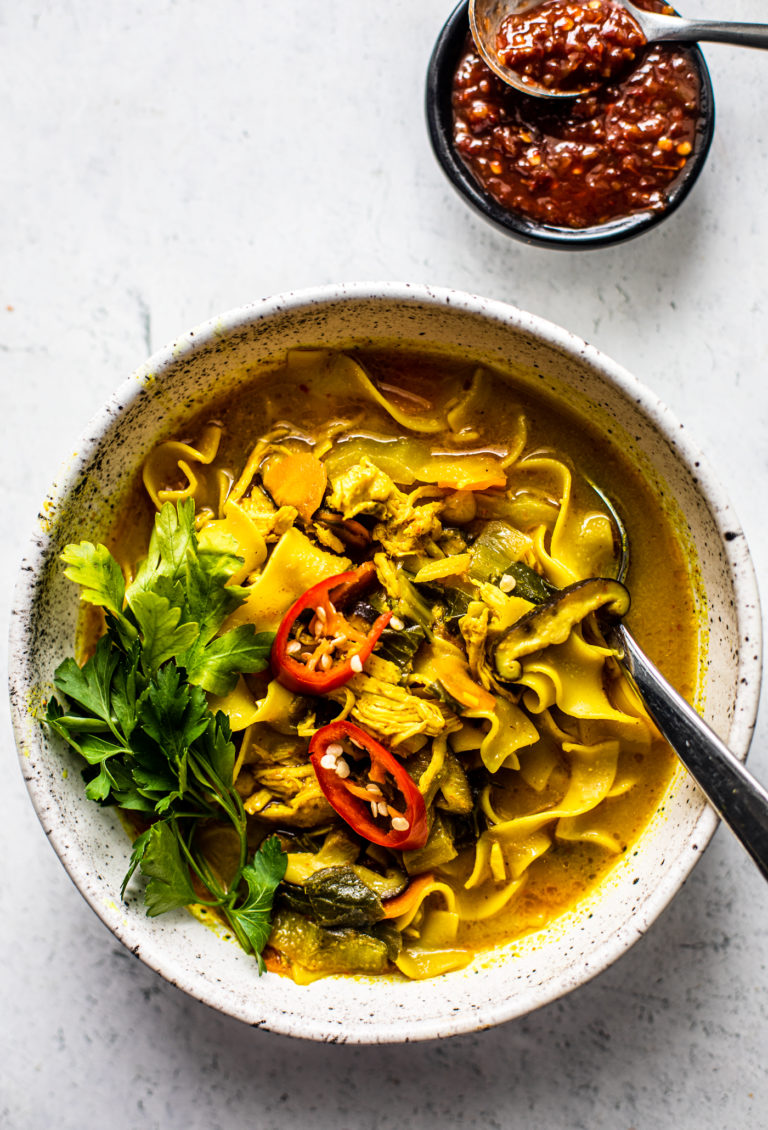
pixel 164 162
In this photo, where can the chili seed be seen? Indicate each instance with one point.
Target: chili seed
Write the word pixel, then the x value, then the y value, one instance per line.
pixel 507 583
pixel 374 809
pixel 374 790
pixel 400 824
pixel 342 769
pixel 328 761
pixel 293 648
pixel 325 662
pixel 335 749
pixel 320 612
pixel 396 623
pixel 382 808
pixel 356 664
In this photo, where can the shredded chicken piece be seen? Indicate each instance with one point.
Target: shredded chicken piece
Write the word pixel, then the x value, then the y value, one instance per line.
pixel 395 713
pixel 407 524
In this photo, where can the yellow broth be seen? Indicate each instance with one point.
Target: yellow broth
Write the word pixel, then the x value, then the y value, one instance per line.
pixel 661 578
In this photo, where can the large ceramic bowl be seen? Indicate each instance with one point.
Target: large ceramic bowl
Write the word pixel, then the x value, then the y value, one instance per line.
pixel 92 843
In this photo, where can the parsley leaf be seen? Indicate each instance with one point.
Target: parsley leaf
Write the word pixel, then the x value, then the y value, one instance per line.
pixel 137 713
pixel 162 637
pixel 161 861
pixel 100 786
pixel 173 713
pixel 216 666
pixel 173 537
pixel 94 567
pixel 217 748
pixel 139 847
pixel 262 877
pixel 89 685
pixel 127 688
pixel 208 597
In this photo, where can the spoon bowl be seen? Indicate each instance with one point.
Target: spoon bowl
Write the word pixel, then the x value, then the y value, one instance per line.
pixel 486 16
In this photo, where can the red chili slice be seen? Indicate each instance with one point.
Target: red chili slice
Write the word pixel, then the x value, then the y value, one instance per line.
pixel 327 625
pixel 344 791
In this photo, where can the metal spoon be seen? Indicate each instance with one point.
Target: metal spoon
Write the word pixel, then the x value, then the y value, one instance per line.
pixel 733 792
pixel 485 17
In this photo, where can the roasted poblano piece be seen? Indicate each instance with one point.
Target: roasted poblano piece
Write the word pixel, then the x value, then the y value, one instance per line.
pixel 335 896
pixel 337 949
pixel 529 584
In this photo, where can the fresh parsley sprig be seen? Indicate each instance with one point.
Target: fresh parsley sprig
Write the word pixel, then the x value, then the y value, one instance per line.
pixel 137 712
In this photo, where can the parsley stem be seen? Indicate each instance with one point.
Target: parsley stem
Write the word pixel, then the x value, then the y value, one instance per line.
pixel 242 939
pixel 201 869
pixel 243 824
pixel 229 799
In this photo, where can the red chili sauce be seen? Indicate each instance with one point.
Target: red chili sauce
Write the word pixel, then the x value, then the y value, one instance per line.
pixel 569 46
pixel 581 162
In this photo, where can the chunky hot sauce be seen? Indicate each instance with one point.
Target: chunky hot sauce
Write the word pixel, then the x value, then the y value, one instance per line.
pixel 579 162
pixel 569 46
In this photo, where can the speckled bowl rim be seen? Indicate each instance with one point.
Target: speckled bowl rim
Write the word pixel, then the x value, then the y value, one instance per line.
pixel 747 613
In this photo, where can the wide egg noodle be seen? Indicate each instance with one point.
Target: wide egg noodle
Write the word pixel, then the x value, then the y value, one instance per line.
pixel 342 377
pixel 581 545
pixel 539 761
pixel 592 773
pixel 430 933
pixel 171 461
pixel 294 565
pixel 480 404
pixel 243 710
pixel 509 730
pixel 482 902
pixel 235 532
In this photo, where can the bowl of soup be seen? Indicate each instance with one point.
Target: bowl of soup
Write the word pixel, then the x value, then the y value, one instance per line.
pixel 286 690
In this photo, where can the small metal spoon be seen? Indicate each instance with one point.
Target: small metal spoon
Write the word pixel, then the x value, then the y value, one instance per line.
pixel 733 792
pixel 485 17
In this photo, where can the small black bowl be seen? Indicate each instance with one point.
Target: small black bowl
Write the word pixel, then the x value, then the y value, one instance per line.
pixel 442 67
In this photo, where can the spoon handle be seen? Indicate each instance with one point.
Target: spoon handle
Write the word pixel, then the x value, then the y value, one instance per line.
pixel 714 31
pixel 740 800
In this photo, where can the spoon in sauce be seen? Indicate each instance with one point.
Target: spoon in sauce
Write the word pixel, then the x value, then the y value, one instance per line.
pixel 562 48
pixel 739 799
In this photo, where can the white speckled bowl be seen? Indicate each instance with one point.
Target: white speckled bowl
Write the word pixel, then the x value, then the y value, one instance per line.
pixel 91 842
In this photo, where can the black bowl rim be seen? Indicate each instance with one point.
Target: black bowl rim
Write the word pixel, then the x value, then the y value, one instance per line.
pixel 439 113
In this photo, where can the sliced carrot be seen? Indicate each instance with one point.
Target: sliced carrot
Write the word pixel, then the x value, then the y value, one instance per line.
pixel 461 481
pixel 457 680
pixel 296 480
pixel 408 898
